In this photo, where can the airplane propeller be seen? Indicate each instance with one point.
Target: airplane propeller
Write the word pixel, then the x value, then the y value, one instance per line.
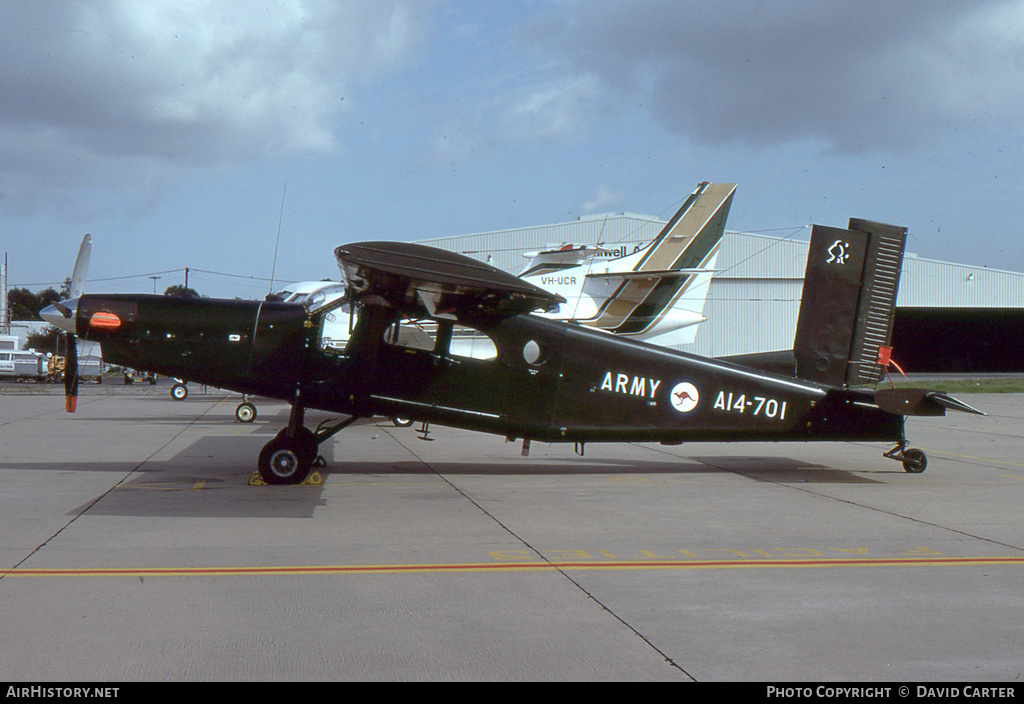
pixel 62 315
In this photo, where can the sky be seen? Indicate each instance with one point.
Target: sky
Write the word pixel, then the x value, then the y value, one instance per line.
pixel 246 140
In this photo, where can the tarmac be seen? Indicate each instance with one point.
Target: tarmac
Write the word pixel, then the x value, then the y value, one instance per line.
pixel 135 549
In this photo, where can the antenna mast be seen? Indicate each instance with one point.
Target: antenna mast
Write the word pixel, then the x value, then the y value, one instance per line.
pixel 280 218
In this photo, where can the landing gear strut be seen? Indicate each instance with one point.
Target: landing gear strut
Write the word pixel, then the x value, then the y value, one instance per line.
pixel 914 461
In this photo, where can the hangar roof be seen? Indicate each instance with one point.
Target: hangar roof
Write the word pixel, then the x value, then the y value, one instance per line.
pixel 744 256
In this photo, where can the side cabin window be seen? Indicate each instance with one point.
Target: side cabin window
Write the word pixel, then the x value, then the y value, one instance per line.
pixel 470 342
pixel 443 338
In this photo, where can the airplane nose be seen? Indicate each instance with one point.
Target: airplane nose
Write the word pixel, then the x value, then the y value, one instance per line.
pixel 61 315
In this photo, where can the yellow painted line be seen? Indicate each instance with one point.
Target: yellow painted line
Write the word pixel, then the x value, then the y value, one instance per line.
pixel 164 486
pixel 513 566
pixel 943 453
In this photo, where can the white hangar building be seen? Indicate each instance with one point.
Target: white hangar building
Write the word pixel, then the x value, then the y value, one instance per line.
pixel 754 298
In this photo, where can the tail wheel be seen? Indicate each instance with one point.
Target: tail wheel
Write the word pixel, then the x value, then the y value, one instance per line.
pixel 914 460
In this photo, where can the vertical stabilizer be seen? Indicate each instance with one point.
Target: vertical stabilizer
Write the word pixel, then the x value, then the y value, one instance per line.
pixel 687 242
pixel 848 301
pixel 693 231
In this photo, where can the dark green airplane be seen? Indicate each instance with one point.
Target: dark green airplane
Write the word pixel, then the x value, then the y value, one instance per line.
pixel 440 338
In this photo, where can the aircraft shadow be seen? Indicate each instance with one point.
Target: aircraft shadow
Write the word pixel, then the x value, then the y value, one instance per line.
pixel 776 469
pixel 209 478
pixel 498 468
pixel 784 470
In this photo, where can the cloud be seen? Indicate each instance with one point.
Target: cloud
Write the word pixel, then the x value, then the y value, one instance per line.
pixel 514 115
pixel 121 91
pixel 858 76
pixel 549 111
pixel 603 199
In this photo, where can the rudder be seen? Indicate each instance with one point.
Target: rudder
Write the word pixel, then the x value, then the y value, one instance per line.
pixel 848 301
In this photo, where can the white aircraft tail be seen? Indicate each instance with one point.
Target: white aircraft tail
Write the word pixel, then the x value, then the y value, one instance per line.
pixel 665 289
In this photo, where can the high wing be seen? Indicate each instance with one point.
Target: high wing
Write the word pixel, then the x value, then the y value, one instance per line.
pixel 423 281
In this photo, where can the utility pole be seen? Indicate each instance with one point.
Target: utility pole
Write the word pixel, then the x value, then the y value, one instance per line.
pixel 5 311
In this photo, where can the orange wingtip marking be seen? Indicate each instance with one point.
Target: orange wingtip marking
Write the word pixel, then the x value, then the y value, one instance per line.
pixel 104 320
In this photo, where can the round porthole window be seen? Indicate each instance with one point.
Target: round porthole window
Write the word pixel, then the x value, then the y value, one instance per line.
pixel 534 353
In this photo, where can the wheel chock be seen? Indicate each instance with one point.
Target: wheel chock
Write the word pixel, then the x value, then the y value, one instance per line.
pixel 314 479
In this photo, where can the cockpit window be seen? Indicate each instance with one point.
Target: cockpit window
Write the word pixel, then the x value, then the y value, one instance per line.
pixel 322 297
pixel 336 328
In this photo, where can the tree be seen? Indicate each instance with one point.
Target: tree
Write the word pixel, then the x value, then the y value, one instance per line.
pixel 25 305
pixel 179 290
pixel 43 341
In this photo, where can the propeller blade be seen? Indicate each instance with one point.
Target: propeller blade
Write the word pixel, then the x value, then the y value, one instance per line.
pixel 70 372
pixel 81 268
pixel 62 315
pixel 64 310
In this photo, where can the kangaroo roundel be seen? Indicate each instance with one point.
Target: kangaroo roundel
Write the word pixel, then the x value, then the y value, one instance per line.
pixel 684 397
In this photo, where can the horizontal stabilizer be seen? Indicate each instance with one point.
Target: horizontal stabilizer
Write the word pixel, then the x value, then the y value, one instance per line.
pixel 954 404
pixel 920 402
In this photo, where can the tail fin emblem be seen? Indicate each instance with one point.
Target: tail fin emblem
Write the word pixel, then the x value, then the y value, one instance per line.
pixel 837 253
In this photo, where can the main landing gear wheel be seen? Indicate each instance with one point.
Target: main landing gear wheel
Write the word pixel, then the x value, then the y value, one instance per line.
pixel 288 459
pixel 401 422
pixel 179 392
pixel 914 460
pixel 245 412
